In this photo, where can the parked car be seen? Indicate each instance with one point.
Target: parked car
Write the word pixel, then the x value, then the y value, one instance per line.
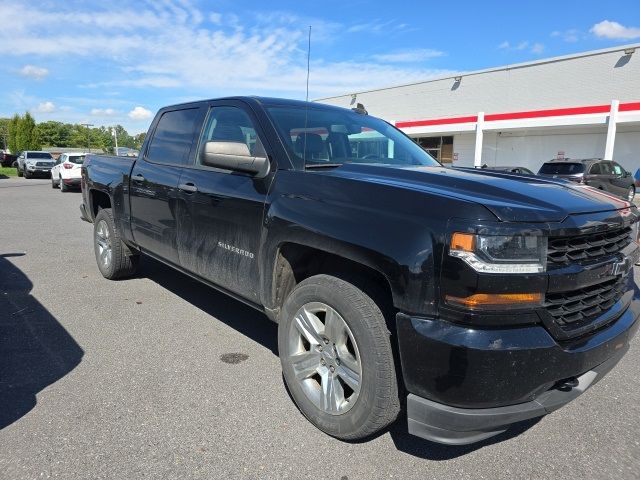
pixel 66 172
pixel 34 163
pixel 488 299
pixel 7 159
pixel 511 169
pixel 601 174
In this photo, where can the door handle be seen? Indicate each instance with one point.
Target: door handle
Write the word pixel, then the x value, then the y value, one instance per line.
pixel 137 178
pixel 188 187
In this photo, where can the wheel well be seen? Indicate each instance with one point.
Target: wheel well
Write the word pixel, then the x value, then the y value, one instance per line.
pixel 99 200
pixel 296 262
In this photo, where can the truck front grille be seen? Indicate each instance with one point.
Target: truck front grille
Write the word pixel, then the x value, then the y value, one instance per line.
pixel 586 304
pixel 44 164
pixel 566 250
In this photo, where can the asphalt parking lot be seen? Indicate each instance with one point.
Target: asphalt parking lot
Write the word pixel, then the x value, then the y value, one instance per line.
pixel 102 379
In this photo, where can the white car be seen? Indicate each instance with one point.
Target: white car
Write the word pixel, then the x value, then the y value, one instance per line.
pixel 66 172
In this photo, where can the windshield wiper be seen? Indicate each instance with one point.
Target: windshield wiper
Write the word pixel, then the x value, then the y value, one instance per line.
pixel 323 165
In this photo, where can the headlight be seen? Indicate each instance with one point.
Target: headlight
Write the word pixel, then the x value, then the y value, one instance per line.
pixel 501 253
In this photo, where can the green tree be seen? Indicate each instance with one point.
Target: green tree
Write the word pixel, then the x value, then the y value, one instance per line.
pixel 27 133
pixel 12 140
pixel 54 134
pixel 4 133
pixel 139 140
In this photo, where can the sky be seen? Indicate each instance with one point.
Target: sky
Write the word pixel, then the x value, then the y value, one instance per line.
pixel 117 61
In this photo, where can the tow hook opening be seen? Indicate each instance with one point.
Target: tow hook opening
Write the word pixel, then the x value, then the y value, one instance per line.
pixel 567 384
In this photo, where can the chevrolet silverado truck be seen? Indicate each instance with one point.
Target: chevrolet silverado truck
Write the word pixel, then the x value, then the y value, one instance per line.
pixel 471 299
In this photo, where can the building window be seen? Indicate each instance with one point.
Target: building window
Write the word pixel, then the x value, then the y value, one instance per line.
pixel 440 148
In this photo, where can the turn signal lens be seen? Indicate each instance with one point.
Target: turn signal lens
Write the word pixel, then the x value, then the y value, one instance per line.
pixel 463 241
pixel 496 300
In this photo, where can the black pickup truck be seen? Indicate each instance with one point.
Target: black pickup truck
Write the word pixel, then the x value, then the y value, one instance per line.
pixel 473 298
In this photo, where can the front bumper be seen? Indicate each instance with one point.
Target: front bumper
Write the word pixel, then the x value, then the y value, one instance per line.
pixel 467 384
pixel 38 170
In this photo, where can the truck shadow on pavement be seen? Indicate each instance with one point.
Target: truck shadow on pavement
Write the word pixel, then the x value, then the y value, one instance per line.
pixel 35 350
pixel 242 318
pixel 259 328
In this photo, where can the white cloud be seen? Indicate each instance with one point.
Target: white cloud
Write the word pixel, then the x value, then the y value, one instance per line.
pixel 409 56
pixel 45 107
pixel 535 48
pixel 160 45
pixel 140 113
pixel 378 26
pixel 615 31
pixel 103 112
pixel 215 18
pixel 571 36
pixel 32 71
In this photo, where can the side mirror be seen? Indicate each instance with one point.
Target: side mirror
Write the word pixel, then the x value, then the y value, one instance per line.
pixel 234 156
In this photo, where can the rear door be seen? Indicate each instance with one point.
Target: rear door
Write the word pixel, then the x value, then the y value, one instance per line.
pixel 154 180
pixel 219 232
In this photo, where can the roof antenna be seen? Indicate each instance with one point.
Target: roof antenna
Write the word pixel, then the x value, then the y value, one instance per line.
pixel 306 107
pixel 308 61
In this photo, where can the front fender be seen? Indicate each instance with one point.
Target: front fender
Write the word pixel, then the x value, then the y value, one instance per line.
pixel 401 250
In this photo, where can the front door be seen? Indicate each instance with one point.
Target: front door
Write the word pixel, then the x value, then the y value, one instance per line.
pixel 154 181
pixel 620 180
pixel 219 233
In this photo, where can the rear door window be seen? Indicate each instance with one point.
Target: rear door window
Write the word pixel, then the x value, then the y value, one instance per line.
pixel 562 168
pixel 173 137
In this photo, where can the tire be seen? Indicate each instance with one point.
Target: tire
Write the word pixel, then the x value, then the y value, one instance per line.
pixel 53 184
pixel 117 261
pixel 631 193
pixel 63 186
pixel 329 358
pixel 19 171
pixel 26 174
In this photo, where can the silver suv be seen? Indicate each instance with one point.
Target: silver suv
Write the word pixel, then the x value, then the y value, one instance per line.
pixel 31 164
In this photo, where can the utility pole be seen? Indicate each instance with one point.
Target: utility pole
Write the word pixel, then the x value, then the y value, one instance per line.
pixel 114 132
pixel 88 135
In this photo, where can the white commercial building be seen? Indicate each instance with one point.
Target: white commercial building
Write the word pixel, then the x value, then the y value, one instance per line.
pixel 585 105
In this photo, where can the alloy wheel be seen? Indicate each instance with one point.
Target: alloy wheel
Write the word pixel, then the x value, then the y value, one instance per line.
pixel 325 358
pixel 103 240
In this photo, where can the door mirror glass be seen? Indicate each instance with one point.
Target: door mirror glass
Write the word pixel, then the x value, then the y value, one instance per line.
pixel 233 156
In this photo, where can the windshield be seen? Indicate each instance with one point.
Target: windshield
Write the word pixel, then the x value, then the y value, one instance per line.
pixel 77 159
pixel 562 168
pixel 318 137
pixel 46 155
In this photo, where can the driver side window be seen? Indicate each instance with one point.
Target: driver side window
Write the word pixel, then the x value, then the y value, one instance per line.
pixel 230 124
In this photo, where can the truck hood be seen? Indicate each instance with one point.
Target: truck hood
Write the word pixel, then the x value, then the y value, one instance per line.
pixel 510 197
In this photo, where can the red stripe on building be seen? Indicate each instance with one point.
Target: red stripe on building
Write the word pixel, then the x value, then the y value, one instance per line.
pixel 554 112
pixel 629 107
pixel 437 121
